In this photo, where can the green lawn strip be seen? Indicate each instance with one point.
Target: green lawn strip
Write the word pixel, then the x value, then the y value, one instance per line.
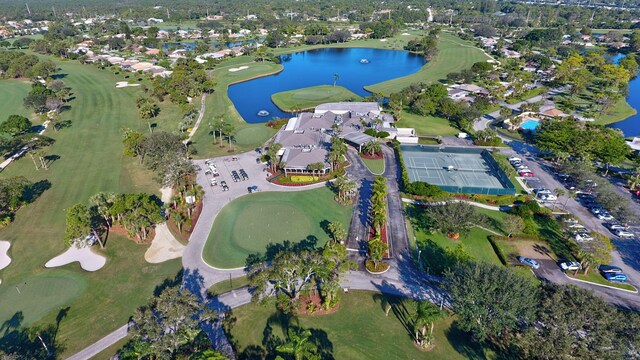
pixel 90 161
pixel 376 166
pixel 310 97
pixel 228 285
pixel 594 277
pixel 248 224
pixel 426 125
pixel 525 96
pixel 12 93
pixel 454 54
pixel 358 330
pixel 618 112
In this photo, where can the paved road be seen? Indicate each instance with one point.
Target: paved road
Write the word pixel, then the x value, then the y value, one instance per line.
pixel 627 255
pixel 200 116
pixel 95 348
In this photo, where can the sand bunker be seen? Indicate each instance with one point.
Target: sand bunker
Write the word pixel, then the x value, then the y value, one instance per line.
pixel 88 260
pixel 164 246
pixel 405 34
pixel 121 84
pixel 383 40
pixel 5 260
pixel 238 68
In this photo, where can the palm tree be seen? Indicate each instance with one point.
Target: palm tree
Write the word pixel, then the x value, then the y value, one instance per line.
pixel 313 167
pixel 299 345
pixel 570 195
pixel 336 76
pixel 372 148
pixel 178 219
pixel 426 314
pixel 344 186
pixel 229 131
pixel 216 126
pixel 558 192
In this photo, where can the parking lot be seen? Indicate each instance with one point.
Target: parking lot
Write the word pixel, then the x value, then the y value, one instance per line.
pixel 237 173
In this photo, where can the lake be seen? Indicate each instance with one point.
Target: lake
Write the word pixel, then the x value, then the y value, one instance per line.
pixel 630 126
pixel 317 67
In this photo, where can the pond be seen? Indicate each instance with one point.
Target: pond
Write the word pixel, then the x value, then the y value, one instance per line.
pixel 317 67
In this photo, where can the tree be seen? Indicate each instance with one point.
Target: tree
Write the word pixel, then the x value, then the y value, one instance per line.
pixel 372 148
pixel 299 345
pixel 217 125
pixel 377 250
pixel 229 130
pixel 490 300
pixel 272 154
pixel 169 325
pixel 505 112
pixel 453 217
pixel 336 76
pixel 596 252
pixel 132 141
pixel 78 222
pixel 178 218
pixel 344 186
pixel 611 148
pixel 103 201
pixel 558 192
pixel 315 168
pixel 513 223
pixel 426 314
pixel 15 125
pixel 337 231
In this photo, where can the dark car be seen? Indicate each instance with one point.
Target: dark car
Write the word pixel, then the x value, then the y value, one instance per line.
pixel 606 269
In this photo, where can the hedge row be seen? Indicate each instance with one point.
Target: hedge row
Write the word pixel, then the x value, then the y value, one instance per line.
pixel 403 170
pixel 497 249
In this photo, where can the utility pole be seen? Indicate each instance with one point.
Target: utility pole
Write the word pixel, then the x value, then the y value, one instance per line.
pixel 29 11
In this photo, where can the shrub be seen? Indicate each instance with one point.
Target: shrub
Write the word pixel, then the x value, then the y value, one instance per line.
pixel 371 132
pixel 382 134
pixel 501 256
pixel 395 144
pixel 422 188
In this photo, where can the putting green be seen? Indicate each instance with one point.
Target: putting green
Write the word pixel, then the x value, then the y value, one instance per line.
pixel 248 224
pixel 311 97
pixel 37 295
pixel 252 135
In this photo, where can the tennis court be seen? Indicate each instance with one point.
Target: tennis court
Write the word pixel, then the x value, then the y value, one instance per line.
pixel 455 169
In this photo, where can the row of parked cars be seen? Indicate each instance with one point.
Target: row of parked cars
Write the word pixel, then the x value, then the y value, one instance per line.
pixel 522 169
pixel 618 229
pixel 609 272
pixel 240 175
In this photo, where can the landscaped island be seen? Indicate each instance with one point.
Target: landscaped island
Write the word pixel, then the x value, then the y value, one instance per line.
pixel 310 97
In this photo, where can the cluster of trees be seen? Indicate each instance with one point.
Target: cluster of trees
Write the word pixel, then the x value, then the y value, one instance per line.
pixel 337 36
pixel 608 82
pixel 421 188
pixel 378 215
pixel 188 80
pixel 161 152
pixel 16 192
pixel 16 64
pixel 451 218
pixel 523 320
pixel 147 109
pixel 582 141
pixel 428 45
pixel 433 100
pixel 15 135
pixel 171 326
pixel 293 272
pixel 136 213
pixel 345 189
pixel 380 29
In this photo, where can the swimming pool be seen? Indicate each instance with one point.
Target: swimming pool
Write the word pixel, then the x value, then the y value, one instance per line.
pixel 530 125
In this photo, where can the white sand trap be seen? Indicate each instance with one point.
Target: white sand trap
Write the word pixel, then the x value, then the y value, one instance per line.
pixel 406 34
pixel 5 260
pixel 121 84
pixel 383 40
pixel 238 68
pixel 164 246
pixel 88 260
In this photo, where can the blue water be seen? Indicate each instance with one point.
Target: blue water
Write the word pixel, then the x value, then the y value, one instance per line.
pixel 630 126
pixel 189 46
pixel 530 125
pixel 317 67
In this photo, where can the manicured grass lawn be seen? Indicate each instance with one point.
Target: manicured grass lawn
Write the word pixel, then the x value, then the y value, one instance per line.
pixel 358 330
pixel 218 104
pixel 454 54
pixel 376 166
pixel 427 125
pixel 248 224
pixel 475 242
pixel 595 277
pixel 619 111
pixel 226 285
pixel 90 161
pixel 310 97
pixel 12 92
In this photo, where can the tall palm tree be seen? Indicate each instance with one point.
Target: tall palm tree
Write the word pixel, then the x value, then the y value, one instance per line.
pixel 299 345
pixel 426 314
pixel 371 148
pixel 558 192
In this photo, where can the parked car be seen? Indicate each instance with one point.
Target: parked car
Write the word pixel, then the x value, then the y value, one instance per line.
pixel 526 173
pixel 570 266
pixel 624 234
pixel 615 226
pixel 609 269
pixel 548 197
pixel 583 237
pixel 616 277
pixel 514 158
pixel 605 216
pixel 528 262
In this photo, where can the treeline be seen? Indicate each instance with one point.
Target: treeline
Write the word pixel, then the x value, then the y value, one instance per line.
pixel 136 213
pixel 16 192
pixel 427 45
pixel 433 100
pixel 17 64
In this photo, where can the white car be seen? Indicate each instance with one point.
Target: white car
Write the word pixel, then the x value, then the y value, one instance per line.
pixel 605 216
pixel 547 197
pixel 514 158
pixel 571 266
pixel 624 233
pixel 583 237
pixel 528 262
pixel 575 226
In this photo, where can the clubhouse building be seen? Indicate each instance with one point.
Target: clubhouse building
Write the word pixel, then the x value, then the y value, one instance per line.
pixel 306 139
